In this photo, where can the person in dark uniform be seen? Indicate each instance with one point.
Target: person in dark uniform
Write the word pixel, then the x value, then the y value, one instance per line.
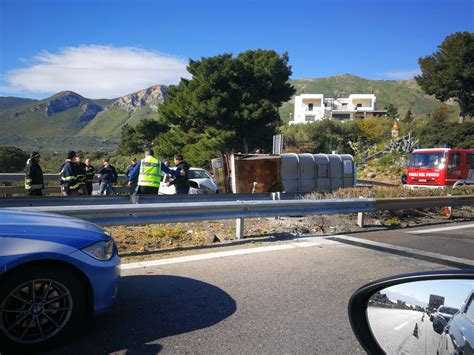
pixel 69 183
pixel 34 183
pixel 90 171
pixel 181 182
pixel 80 167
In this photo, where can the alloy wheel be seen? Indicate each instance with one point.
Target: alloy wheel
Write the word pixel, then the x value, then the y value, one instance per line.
pixel 36 311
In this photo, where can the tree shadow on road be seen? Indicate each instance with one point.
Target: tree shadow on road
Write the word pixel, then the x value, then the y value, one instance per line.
pixel 149 308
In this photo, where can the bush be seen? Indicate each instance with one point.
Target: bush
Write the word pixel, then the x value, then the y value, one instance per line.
pixel 12 160
pixel 441 133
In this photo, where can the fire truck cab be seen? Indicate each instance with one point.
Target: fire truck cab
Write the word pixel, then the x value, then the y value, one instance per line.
pixel 440 167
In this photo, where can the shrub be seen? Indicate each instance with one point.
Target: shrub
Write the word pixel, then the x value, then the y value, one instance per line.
pixel 12 160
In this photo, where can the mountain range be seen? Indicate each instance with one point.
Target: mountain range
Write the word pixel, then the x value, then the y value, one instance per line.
pixel 68 119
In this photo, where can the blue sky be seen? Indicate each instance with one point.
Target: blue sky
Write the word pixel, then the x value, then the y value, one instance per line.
pixel 455 292
pixel 110 48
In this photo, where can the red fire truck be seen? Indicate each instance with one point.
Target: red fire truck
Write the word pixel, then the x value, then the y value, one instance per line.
pixel 439 167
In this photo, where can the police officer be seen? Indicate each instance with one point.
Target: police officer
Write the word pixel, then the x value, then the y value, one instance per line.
pixel 149 171
pixel 34 183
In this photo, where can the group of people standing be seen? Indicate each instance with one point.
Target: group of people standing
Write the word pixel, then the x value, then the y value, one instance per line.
pixel 144 176
pixel 77 176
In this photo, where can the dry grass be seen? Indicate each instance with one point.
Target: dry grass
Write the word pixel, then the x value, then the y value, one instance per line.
pixel 391 192
pixel 135 242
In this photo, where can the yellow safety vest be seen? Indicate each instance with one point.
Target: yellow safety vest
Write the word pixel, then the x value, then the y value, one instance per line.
pixel 150 172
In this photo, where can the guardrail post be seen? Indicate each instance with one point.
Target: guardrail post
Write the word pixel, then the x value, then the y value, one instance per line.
pixel 134 198
pixel 360 218
pixel 239 228
pixel 276 196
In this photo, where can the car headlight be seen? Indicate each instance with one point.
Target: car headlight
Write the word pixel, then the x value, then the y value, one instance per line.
pixel 102 250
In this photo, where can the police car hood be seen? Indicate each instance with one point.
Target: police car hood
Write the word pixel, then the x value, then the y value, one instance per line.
pixel 49 227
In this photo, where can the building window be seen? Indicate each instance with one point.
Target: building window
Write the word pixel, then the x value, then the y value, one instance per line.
pixel 310 118
pixel 359 105
pixel 310 107
pixel 341 116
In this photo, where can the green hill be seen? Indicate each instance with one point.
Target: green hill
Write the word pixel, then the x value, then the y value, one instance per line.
pixel 403 94
pixel 109 123
pixel 51 121
pixel 9 102
pixel 68 119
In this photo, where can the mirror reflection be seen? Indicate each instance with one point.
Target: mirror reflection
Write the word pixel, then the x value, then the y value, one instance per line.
pixel 424 317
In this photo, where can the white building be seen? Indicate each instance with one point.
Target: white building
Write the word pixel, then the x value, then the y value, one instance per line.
pixel 313 107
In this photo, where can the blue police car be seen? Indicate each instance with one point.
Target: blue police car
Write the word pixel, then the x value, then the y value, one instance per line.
pixel 55 272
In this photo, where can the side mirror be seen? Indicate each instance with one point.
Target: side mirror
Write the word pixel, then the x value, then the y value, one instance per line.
pixel 393 315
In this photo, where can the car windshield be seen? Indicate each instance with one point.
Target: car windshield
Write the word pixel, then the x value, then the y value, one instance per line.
pixel 199 174
pixel 428 160
pixel 448 310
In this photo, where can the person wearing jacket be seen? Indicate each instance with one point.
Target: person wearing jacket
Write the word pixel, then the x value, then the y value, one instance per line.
pixel 67 172
pixel 80 167
pixel 181 182
pixel 90 172
pixel 34 183
pixel 128 172
pixel 107 177
pixel 149 171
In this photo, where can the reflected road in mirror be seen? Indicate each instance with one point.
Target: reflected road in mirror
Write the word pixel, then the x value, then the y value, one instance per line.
pixel 424 317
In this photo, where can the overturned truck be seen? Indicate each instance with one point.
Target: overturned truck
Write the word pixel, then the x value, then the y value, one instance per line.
pixel 290 172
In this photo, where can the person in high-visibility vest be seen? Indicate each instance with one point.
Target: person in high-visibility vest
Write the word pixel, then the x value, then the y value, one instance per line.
pixel 149 171
pixel 34 183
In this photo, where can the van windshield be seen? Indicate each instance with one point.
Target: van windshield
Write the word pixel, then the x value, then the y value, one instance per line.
pixel 428 160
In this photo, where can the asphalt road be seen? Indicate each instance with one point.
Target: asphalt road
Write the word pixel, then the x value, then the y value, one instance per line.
pixel 453 239
pixel 290 300
pixel 395 331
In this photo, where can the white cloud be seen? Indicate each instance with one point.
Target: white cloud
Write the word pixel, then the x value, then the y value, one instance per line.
pixel 399 74
pixel 95 71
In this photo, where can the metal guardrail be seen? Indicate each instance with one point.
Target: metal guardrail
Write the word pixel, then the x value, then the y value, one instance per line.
pixel 48 190
pixel 142 199
pixel 200 211
pixel 136 214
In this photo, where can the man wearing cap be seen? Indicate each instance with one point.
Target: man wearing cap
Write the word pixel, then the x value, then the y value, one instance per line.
pixel 69 183
pixel 34 183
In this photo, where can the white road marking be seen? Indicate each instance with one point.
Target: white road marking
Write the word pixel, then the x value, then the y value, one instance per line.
pixel 464 226
pixel 400 326
pixel 364 242
pixel 297 243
